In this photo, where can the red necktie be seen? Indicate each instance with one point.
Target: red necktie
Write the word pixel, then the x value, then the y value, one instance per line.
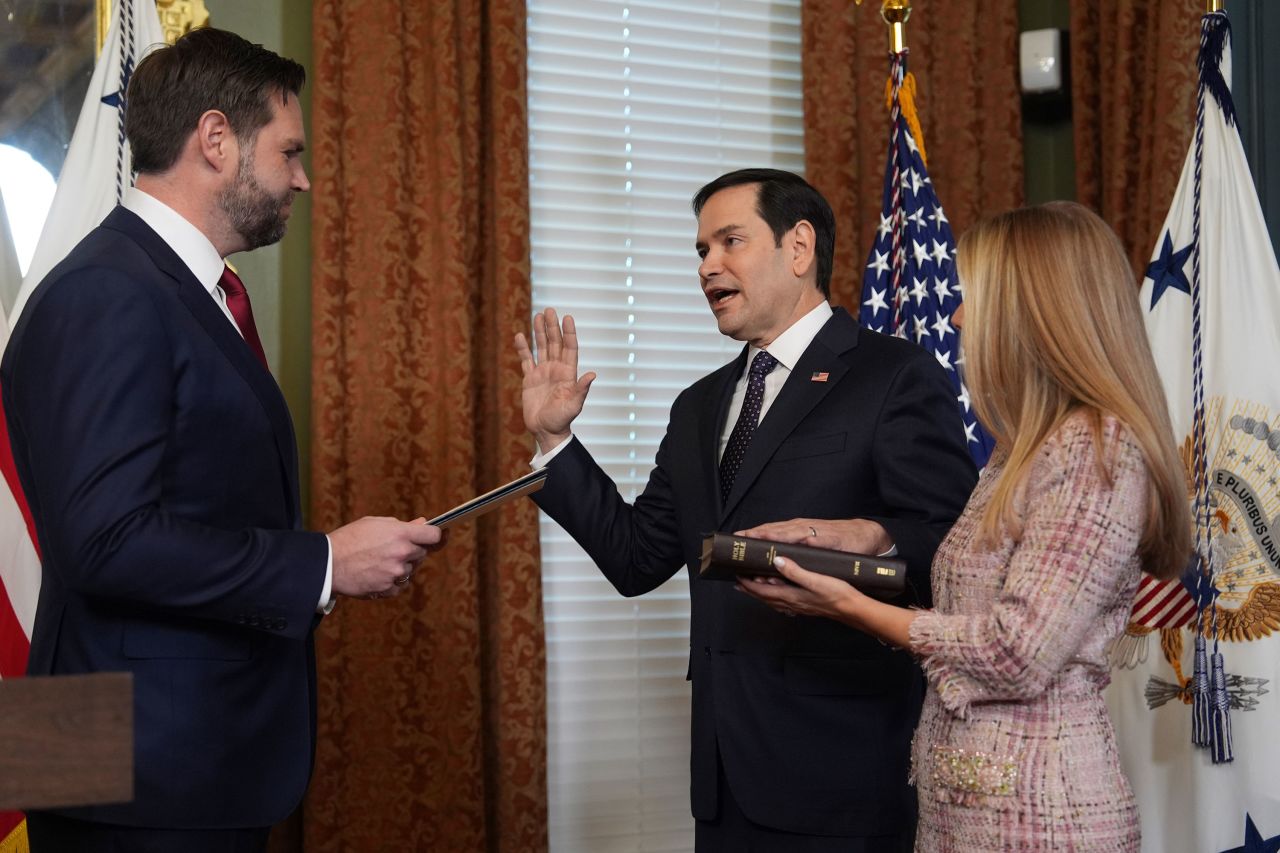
pixel 238 302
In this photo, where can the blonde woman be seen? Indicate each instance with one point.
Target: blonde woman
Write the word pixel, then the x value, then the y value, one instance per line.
pixel 1014 750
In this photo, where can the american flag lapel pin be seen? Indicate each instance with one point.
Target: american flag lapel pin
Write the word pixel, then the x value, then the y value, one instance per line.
pixel 819 377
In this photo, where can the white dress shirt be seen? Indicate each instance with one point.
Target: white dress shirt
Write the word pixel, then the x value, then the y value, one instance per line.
pixel 200 256
pixel 187 242
pixel 787 349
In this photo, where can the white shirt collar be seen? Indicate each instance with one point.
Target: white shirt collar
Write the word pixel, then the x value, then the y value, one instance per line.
pixel 186 240
pixel 791 344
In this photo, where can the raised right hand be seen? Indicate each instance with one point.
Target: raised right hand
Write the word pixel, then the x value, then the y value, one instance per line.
pixel 552 393
pixel 374 557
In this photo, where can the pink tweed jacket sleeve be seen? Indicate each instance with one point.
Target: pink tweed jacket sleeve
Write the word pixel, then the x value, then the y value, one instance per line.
pixel 1013 616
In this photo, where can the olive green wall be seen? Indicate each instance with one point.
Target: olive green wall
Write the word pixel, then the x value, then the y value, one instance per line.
pixel 279 277
pixel 1047 147
pixel 1255 29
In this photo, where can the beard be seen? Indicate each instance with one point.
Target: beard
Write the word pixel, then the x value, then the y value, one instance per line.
pixel 255 214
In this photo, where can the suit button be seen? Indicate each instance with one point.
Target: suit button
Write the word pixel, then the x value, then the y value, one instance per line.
pixel 706 650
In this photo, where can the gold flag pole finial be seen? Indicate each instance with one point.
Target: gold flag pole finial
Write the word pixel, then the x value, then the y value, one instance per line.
pixel 895 14
pixel 176 18
pixel 1214 6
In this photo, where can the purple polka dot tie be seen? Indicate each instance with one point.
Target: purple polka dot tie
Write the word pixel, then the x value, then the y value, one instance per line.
pixel 747 420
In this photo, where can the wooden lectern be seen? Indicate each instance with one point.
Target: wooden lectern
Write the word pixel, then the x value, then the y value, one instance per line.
pixel 66 740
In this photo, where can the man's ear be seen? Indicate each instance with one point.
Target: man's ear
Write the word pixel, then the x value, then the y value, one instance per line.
pixel 802 245
pixel 216 141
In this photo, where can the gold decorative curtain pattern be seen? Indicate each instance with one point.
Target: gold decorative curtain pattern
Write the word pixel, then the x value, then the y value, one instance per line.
pixel 1133 93
pixel 432 730
pixel 964 56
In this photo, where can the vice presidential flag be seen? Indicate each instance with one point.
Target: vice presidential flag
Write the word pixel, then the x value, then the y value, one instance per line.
pixel 1211 298
pixel 98 168
pixel 909 287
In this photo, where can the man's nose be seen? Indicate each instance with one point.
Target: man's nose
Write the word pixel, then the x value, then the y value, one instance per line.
pixel 709 266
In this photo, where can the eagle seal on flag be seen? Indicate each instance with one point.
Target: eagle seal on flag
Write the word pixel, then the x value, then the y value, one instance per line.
pixel 1244 513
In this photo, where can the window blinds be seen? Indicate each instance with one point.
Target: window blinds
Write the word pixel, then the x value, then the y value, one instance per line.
pixel 632 107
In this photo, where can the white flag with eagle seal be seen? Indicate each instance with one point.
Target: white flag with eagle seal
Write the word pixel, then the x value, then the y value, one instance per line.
pixel 98 168
pixel 1211 297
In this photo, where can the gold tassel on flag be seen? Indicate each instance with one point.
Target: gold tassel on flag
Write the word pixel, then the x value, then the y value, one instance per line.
pixel 15 841
pixel 895 14
pixel 907 101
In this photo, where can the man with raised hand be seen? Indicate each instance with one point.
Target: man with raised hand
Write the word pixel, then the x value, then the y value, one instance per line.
pixel 818 432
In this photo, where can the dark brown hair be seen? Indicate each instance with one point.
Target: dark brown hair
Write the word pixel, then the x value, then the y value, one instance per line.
pixel 782 200
pixel 206 69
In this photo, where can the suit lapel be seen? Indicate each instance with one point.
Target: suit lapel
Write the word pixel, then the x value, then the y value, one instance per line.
pixel 798 397
pixel 713 425
pixel 258 378
pixel 228 340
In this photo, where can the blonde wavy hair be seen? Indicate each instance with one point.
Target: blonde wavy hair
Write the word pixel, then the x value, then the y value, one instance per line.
pixel 1053 326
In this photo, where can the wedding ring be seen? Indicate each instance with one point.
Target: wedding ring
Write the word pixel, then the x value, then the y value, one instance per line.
pixel 812 532
pixel 404 580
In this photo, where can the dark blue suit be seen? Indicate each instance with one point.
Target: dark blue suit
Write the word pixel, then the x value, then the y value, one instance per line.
pixel 812 720
pixel 159 461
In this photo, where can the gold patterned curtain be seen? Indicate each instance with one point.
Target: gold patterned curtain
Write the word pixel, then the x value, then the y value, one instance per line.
pixel 1133 91
pixel 964 56
pixel 432 729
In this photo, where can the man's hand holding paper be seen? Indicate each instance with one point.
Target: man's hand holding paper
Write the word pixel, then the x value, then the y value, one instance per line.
pixel 375 557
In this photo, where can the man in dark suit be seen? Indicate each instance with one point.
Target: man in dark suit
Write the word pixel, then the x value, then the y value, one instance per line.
pixel 832 434
pixel 158 457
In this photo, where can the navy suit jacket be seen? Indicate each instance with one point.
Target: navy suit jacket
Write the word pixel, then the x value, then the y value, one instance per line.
pixel 812 720
pixel 158 458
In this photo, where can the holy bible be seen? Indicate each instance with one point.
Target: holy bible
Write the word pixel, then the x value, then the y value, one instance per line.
pixel 725 557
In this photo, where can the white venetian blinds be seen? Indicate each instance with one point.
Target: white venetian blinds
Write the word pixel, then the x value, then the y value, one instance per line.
pixel 632 107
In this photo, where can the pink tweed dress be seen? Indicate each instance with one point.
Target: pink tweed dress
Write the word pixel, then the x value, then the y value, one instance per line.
pixel 1015 750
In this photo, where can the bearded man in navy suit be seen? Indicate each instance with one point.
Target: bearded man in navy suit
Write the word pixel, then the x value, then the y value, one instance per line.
pixel 159 460
pixel 821 432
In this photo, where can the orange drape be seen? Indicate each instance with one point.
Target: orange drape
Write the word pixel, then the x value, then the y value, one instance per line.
pixel 1133 80
pixel 432 705
pixel 964 57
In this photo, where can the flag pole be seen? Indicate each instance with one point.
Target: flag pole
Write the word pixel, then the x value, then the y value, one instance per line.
pixel 1214 6
pixel 895 14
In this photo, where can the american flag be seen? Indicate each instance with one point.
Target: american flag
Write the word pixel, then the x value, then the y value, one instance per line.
pixel 1162 604
pixel 909 287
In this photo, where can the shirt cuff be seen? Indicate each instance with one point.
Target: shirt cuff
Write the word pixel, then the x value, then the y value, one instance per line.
pixel 326 594
pixel 540 459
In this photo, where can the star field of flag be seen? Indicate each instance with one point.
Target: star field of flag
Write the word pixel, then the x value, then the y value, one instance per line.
pixel 916 298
